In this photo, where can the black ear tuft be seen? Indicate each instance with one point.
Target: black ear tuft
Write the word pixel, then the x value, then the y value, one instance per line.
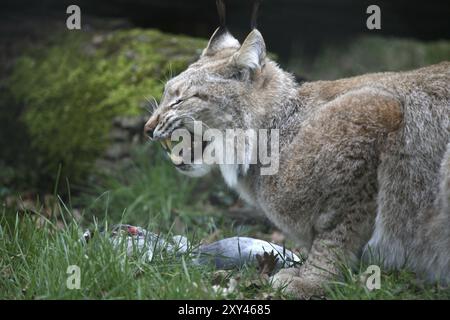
pixel 253 22
pixel 220 4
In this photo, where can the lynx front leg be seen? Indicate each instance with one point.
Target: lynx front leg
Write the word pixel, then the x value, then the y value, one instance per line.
pixel 310 278
pixel 330 249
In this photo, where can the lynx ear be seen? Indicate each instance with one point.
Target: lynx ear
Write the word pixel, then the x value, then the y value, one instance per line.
pixel 252 53
pixel 220 40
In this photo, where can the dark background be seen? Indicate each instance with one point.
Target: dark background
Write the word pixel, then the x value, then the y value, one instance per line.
pixel 282 22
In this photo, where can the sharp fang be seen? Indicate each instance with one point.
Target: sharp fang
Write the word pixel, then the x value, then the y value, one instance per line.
pixel 169 143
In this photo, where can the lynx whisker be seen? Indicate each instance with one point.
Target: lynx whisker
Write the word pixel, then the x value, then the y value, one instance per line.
pixel 153 103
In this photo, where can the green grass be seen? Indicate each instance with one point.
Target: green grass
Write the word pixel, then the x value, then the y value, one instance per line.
pixel 36 251
pixel 35 261
pixel 395 285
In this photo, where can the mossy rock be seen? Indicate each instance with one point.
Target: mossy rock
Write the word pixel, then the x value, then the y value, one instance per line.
pixel 74 87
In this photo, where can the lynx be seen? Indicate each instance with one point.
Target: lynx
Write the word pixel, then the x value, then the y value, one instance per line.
pixel 364 164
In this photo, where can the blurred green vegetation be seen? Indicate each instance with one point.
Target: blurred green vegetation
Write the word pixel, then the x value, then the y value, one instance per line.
pixel 367 54
pixel 72 88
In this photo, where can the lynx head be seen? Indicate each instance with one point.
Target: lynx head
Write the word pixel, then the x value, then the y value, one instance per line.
pixel 229 87
pixel 220 90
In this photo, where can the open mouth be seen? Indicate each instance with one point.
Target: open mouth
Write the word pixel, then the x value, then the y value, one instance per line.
pixel 168 146
pixel 178 158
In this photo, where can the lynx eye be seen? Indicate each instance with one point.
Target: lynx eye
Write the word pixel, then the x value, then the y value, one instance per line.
pixel 177 102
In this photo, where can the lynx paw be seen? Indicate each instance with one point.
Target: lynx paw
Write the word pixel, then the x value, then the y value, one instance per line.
pixel 289 281
pixel 282 279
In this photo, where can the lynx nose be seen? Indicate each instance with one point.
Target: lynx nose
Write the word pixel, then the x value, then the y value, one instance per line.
pixel 150 126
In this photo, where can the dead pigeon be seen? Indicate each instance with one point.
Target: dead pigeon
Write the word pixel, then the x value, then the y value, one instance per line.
pixel 228 253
